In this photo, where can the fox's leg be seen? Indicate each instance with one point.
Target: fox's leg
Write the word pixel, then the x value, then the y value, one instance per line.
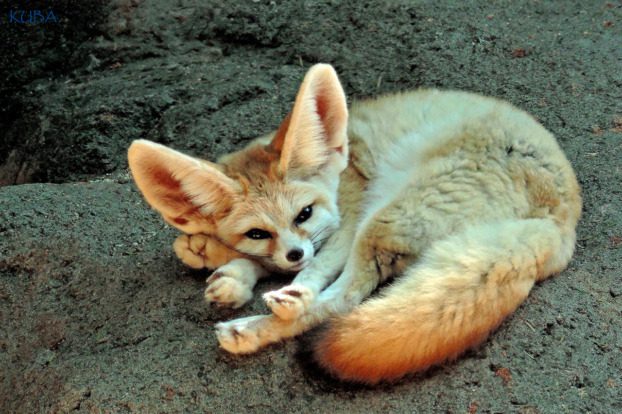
pixel 232 283
pixel 247 335
pixel 293 300
pixel 371 260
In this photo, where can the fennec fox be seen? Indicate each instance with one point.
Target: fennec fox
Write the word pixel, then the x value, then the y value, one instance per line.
pixel 466 200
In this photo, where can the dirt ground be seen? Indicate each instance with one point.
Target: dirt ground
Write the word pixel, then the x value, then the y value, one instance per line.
pixel 98 316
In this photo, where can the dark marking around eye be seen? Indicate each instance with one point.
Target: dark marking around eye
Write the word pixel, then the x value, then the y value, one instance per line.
pixel 258 234
pixel 304 215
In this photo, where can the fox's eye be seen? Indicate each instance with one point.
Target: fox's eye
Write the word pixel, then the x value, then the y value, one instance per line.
pixel 258 234
pixel 304 215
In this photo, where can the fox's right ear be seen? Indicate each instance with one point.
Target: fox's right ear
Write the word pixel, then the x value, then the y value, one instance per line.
pixel 313 137
pixel 185 190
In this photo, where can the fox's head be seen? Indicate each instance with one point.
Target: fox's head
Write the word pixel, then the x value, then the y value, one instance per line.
pixel 275 200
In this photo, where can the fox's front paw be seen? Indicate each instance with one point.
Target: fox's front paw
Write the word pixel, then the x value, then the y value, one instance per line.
pixel 225 290
pixel 200 250
pixel 289 302
pixel 240 336
pixel 191 250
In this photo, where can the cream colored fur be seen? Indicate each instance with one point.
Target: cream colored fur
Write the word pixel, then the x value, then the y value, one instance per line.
pixel 466 200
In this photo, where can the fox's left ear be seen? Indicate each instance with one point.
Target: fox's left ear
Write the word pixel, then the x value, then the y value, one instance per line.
pixel 188 192
pixel 314 136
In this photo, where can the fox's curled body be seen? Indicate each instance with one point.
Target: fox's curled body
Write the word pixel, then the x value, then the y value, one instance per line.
pixel 466 200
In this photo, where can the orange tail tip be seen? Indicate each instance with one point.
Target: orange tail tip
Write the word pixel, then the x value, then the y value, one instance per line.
pixel 334 352
pixel 369 346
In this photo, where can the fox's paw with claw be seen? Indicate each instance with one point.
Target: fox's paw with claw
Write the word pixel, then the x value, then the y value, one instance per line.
pixel 200 250
pixel 289 302
pixel 240 336
pixel 226 290
pixel 191 250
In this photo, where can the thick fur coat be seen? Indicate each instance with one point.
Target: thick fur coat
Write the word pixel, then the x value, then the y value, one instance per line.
pixel 465 200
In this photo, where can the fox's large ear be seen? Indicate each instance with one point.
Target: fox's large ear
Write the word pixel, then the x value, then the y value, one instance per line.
pixel 185 190
pixel 314 136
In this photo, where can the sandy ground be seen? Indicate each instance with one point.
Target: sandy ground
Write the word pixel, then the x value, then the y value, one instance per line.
pixel 96 313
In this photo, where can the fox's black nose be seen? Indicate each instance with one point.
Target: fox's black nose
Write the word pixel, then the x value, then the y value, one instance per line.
pixel 294 255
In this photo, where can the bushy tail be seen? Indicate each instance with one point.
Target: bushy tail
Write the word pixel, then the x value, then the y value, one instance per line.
pixel 448 302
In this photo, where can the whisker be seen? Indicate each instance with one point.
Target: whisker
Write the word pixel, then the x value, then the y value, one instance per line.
pixel 318 243
pixel 317 234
